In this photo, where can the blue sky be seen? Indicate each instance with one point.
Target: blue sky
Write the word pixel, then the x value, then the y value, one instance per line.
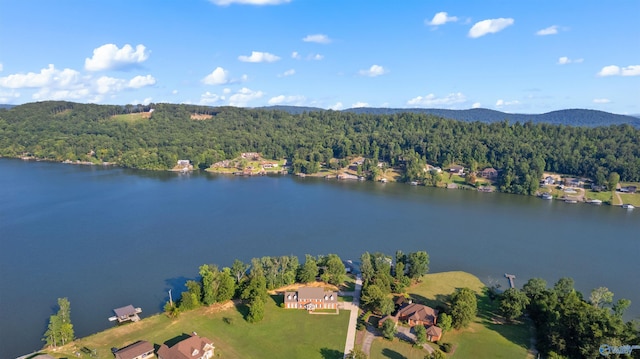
pixel 513 56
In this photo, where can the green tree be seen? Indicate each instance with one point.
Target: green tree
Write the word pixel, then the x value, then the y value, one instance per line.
pixel 366 268
pixel 239 270
pixel 226 286
pixel 613 180
pixel 207 274
pixel 563 287
pixel 256 311
pixel 444 322
pixel 512 303
pixel 418 264
pixel 464 307
pixel 171 310
pixel 334 269
pixel 309 271
pixel 356 353
pixel 389 329
pixel 600 297
pixel 534 287
pixel 60 330
pixel 437 354
pixel 421 334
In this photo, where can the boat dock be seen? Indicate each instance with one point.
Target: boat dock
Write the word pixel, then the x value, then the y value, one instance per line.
pixel 511 279
pixel 125 314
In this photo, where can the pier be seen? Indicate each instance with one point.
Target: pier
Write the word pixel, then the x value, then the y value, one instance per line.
pixel 125 314
pixel 511 279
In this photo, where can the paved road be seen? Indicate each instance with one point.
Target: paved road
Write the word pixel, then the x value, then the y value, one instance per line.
pixel 353 318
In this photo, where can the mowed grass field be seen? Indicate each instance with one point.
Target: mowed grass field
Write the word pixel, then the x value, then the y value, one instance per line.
pixel 282 334
pixel 484 338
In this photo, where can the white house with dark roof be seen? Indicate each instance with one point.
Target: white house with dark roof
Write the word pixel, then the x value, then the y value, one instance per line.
pixel 311 298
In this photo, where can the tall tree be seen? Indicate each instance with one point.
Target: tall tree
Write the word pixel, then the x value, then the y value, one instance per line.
pixel 613 180
pixel 512 303
pixel 207 274
pixel 60 330
pixel 239 270
pixel 334 269
pixel 256 310
pixel 309 271
pixel 421 334
pixel 464 307
pixel 418 264
pixel 444 322
pixel 600 297
pixel 389 329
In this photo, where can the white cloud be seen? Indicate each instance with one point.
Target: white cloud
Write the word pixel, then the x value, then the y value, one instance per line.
pixel 109 57
pixel 8 96
pixel 106 84
pixel 66 94
pixel 295 55
pixel 613 70
pixel 476 105
pixel 1 66
pixel 209 98
pixel 490 26
pixel 502 103
pixel 316 57
pixel 551 30
pixel 49 76
pixel 296 100
pixel 257 56
pixel 441 18
pixel 244 96
pixel 373 71
pixel 432 100
pixel 141 81
pixel 317 38
pixel 565 60
pixel 226 91
pixel 289 72
pixel 219 76
pixel 601 100
pixel 337 107
pixel 360 104
pixel 175 92
pixel 249 2
pixel 145 102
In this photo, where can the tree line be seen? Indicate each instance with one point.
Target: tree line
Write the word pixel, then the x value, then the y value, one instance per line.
pixel 60 131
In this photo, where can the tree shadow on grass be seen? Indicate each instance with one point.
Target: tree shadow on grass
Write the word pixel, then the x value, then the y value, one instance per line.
pixel 440 302
pixel 278 299
pixel 488 312
pixel 243 309
pixel 388 353
pixel 331 353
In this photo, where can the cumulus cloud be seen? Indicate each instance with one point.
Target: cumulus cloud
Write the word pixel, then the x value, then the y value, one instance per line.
pixel 295 100
pixel 9 96
pixel 295 55
pixel 359 104
pixel 219 76
pixel 502 103
pixel 244 96
pixel 209 98
pixel 441 18
pixel 257 56
pixel 249 2
pixel 476 105
pixel 433 100
pixel 141 81
pixel 613 70
pixel 489 26
pixel 565 60
pixel 551 30
pixel 373 71
pixel 287 73
pixel 316 57
pixel 49 76
pixel 337 107
pixel 110 57
pixel 601 100
pixel 317 38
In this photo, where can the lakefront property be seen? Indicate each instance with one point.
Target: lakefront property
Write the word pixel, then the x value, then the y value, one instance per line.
pixel 311 298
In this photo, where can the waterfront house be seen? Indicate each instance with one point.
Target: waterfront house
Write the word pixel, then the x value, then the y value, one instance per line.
pixel 193 347
pixel 418 314
pixel 548 181
pixel 141 349
pixel 311 298
pixel 489 173
pixel 629 189
pixel 254 156
pixel 456 170
pixel 434 333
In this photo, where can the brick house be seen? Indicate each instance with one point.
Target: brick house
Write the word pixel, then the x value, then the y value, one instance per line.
pixel 141 349
pixel 194 347
pixel 311 298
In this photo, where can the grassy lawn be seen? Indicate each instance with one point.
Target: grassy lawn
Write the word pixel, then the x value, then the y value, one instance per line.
pixel 484 338
pixel 132 117
pixel 633 198
pixel 384 349
pixel 605 197
pixel 282 333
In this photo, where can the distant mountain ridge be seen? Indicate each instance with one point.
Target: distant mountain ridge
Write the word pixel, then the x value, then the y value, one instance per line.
pixel 570 117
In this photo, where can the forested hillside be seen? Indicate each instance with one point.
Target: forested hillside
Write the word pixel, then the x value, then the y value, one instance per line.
pixel 63 130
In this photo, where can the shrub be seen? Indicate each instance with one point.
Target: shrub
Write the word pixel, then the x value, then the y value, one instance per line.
pixel 445 347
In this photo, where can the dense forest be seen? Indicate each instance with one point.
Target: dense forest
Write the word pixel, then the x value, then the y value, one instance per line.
pixel 60 131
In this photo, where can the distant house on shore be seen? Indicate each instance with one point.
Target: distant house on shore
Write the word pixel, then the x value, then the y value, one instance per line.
pixel 254 156
pixel 456 170
pixel 141 349
pixel 629 189
pixel 489 173
pixel 194 347
pixel 311 298
pixel 573 182
pixel 548 181
pixel 266 165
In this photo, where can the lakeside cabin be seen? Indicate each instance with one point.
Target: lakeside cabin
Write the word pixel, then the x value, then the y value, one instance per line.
pixel 125 314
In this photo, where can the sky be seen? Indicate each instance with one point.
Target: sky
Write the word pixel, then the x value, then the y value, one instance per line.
pixel 514 56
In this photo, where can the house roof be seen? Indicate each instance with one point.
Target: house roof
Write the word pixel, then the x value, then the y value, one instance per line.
pixel 456 168
pixel 125 311
pixel 133 350
pixel 418 312
pixel 306 293
pixel 190 348
pixel 434 331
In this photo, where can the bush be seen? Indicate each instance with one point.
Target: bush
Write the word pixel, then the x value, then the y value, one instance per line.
pixel 445 347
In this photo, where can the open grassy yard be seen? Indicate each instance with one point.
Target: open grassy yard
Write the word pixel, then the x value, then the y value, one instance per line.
pixel 132 117
pixel 485 338
pixel 282 333
pixel 633 199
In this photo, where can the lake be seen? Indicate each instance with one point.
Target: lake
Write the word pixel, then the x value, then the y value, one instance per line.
pixel 109 237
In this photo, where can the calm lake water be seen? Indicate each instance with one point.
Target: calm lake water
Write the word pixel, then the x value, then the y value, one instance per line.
pixel 108 237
